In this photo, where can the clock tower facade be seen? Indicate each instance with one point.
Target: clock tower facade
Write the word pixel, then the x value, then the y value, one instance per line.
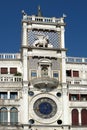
pixel 40 87
pixel 45 93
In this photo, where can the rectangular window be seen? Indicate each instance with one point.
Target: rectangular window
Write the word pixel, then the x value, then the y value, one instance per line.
pixel 55 74
pixel 75 73
pixel 33 73
pixel 4 70
pixel 68 73
pixel 13 95
pixel 3 95
pixel 83 97
pixel 73 97
pixel 13 70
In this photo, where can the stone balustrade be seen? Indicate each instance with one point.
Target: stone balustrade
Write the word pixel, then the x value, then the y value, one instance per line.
pixel 9 78
pixel 71 80
pixel 9 55
pixel 9 102
pixel 76 60
pixel 43 19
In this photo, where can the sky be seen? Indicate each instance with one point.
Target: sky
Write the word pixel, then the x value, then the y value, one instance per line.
pixel 75 29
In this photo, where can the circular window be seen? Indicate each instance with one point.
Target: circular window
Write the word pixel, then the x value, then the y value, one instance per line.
pixel 58 94
pixel 59 122
pixel 31 93
pixel 31 121
pixel 45 107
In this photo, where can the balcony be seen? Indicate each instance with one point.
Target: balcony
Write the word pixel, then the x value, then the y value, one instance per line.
pixel 9 56
pixel 76 80
pixel 77 104
pixel 10 81
pixel 10 78
pixel 9 102
pixel 45 83
pixel 76 60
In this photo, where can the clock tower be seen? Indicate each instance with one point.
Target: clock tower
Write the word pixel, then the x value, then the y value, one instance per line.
pixel 45 96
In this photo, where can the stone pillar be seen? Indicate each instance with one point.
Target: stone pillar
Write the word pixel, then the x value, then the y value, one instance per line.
pixel 65 105
pixel 8 95
pixel 83 74
pixel 63 67
pixel 25 87
pixel 62 34
pixel 25 65
pixel 25 104
pixel 63 53
pixel 24 113
pixel 19 115
pixel 24 34
pixel 70 116
pixel 8 70
pixel 79 110
pixel 24 52
pixel 9 115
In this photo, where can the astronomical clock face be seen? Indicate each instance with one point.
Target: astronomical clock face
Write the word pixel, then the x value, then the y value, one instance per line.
pixel 45 107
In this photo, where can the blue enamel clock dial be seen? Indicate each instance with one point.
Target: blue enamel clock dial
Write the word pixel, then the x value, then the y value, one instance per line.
pixel 45 108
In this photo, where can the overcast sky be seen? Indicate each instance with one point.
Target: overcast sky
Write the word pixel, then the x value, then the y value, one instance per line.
pixel 75 30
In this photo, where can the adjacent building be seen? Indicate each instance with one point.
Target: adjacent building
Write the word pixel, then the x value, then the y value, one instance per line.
pixel 40 87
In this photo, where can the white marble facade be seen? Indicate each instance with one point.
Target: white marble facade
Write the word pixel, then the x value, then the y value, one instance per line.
pixel 40 87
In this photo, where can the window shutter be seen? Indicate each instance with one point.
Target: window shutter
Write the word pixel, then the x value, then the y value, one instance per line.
pixel 75 73
pixel 75 119
pixel 4 70
pixel 13 70
pixel 84 117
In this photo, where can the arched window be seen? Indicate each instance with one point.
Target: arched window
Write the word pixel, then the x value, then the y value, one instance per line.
pixel 84 117
pixel 13 115
pixel 3 115
pixel 75 117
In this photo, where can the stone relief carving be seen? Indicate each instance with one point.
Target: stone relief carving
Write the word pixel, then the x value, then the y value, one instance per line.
pixel 42 41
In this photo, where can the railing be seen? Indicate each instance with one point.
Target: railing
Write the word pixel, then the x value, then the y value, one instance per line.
pixel 10 124
pixel 9 56
pixel 76 60
pixel 9 101
pixel 75 80
pixel 8 78
pixel 43 19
